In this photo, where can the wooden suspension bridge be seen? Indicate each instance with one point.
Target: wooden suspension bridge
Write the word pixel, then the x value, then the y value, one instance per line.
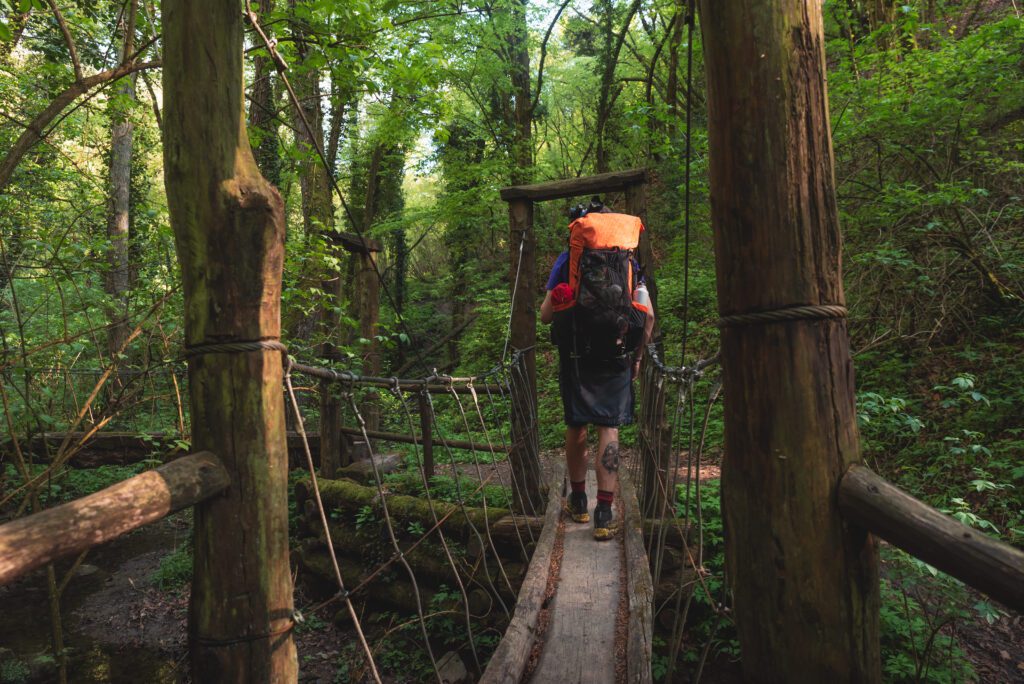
pixel 802 513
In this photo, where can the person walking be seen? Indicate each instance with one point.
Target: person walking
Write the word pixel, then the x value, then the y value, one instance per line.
pixel 601 322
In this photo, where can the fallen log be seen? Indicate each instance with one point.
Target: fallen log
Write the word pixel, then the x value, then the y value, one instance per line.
pixel 102 448
pixel 70 528
pixel 349 497
pixel 391 590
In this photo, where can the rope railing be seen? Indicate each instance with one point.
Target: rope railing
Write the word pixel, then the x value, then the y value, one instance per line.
pixel 469 556
pixel 675 411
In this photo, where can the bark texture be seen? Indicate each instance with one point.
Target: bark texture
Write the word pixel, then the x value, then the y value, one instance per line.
pixel 229 230
pixel 71 528
pixel 523 454
pixel 805 583
pixel 118 281
pixel 318 218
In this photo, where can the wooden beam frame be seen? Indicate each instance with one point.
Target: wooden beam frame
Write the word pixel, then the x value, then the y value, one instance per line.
pixel 575 187
pixel 35 540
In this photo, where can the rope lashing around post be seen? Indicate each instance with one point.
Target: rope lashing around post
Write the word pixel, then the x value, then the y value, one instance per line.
pixel 789 313
pixel 234 347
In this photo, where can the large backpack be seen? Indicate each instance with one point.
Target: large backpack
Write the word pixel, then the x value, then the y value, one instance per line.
pixel 601 321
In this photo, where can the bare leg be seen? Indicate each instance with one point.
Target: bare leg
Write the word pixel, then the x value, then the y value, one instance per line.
pixel 576 453
pixel 608 458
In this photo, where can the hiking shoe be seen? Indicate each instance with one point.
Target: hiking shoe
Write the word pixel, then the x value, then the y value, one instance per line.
pixel 576 507
pixel 602 522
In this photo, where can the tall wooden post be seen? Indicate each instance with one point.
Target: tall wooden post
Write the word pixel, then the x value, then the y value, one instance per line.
pixel 805 584
pixel 229 231
pixel 366 307
pixel 523 455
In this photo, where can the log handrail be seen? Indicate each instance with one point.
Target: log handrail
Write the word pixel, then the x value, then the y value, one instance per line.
pixel 987 564
pixel 509 661
pixel 35 540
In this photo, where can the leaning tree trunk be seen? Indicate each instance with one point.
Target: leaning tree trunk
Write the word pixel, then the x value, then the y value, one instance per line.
pixel 805 583
pixel 229 230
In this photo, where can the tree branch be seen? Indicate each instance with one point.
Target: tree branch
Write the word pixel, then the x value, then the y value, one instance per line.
pixel 33 132
pixel 544 54
pixel 67 39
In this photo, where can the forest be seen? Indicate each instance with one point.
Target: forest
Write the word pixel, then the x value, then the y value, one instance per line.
pixel 390 128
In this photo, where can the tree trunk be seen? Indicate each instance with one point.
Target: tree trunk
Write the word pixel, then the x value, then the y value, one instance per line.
pixel 229 230
pixel 263 109
pixel 805 583
pixel 318 217
pixel 118 280
pixel 522 145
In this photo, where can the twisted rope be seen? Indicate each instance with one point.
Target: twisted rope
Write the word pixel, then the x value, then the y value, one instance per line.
pixel 790 313
pixel 234 347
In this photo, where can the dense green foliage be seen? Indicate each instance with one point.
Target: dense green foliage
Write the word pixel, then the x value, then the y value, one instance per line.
pixel 416 112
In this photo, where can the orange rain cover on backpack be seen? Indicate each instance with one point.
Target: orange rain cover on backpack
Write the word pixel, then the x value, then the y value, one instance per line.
pixel 600 231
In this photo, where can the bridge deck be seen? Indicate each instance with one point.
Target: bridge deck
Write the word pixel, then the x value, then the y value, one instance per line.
pixel 584 610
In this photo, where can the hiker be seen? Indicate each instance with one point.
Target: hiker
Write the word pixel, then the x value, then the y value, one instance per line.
pixel 601 322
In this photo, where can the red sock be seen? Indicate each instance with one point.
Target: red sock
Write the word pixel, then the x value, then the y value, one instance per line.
pixel 580 486
pixel 605 497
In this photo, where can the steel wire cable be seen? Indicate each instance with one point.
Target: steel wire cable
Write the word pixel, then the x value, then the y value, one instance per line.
pixel 483 497
pixel 391 535
pixel 461 503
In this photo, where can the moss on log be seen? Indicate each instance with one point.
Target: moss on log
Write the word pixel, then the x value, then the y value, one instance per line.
pixel 350 497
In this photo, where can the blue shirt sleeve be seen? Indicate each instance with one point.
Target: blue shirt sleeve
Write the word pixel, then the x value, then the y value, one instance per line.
pixel 559 272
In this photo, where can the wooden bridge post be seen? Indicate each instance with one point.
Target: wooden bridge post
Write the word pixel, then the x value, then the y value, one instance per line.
pixel 426 434
pixel 366 306
pixel 805 583
pixel 523 455
pixel 229 231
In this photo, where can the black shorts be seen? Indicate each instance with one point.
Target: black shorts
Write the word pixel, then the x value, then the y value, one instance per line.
pixel 596 392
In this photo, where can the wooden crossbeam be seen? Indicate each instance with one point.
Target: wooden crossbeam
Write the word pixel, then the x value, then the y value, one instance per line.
pixel 575 187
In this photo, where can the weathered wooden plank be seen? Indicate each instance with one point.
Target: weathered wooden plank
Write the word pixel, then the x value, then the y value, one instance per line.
pixel 639 586
pixel 881 507
pixel 35 540
pixel 574 187
pixel 579 644
pixel 509 660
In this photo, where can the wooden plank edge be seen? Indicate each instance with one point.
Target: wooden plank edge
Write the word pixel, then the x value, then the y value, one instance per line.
pixel 989 565
pixel 587 185
pixel 640 587
pixel 35 540
pixel 509 660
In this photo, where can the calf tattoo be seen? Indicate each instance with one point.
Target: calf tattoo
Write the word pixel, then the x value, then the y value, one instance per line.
pixel 610 457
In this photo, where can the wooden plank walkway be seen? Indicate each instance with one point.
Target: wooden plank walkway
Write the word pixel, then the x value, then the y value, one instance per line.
pixel 579 645
pixel 579 595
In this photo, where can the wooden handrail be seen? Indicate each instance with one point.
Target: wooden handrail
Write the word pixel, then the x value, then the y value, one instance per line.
pixel 35 540
pixel 988 565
